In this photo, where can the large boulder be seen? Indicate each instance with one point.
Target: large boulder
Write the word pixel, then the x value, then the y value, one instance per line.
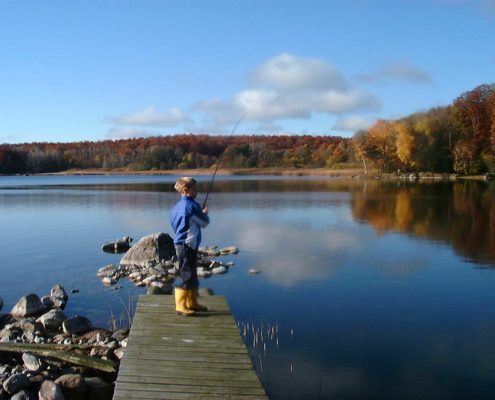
pixel 149 251
pixel 76 325
pixel 27 306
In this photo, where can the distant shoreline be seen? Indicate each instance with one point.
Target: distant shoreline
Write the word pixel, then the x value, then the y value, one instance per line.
pixel 347 173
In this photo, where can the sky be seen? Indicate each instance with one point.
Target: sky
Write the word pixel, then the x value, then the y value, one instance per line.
pixel 97 70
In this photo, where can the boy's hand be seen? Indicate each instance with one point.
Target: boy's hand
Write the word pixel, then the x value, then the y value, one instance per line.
pixel 205 210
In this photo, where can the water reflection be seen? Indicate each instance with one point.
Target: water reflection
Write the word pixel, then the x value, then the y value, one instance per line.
pixel 461 214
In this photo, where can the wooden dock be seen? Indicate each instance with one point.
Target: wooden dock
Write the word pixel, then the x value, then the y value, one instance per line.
pixel 175 357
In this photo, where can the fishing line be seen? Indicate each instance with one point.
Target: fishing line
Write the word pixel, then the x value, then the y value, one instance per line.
pixel 218 164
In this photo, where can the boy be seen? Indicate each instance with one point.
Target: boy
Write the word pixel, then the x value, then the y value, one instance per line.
pixel 187 218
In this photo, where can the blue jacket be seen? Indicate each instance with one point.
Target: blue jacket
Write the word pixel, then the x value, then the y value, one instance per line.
pixel 187 219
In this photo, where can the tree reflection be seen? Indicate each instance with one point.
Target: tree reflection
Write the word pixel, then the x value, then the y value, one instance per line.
pixel 461 214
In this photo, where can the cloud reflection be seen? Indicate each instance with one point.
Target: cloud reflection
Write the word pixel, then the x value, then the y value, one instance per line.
pixel 290 255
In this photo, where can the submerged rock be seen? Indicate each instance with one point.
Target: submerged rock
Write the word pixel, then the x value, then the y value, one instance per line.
pixel 27 306
pixel 118 246
pixel 149 251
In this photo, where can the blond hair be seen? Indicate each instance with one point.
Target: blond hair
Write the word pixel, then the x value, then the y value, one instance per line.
pixel 186 182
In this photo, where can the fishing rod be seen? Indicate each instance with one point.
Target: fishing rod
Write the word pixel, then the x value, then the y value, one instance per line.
pixel 218 164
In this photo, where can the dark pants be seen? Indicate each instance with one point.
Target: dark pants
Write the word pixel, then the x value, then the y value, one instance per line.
pixel 188 258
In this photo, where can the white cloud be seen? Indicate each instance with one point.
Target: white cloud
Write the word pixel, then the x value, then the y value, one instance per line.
pixel 283 87
pixel 152 117
pixel 398 71
pixel 354 123
pixel 288 72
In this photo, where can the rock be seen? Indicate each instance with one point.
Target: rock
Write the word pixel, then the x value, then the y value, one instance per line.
pixel 96 335
pixel 59 292
pixel 24 395
pixel 107 271
pixel 15 383
pixel 53 302
pixel 119 246
pixel 121 334
pixel 119 353
pixel 147 281
pixel 98 389
pixel 74 291
pixel 76 325
pixel 229 250
pixel 149 251
pixel 6 319
pixel 73 386
pixel 27 306
pixel 50 391
pixel 203 273
pixel 31 362
pixel 108 281
pixel 208 251
pixel 52 320
pixel 219 270
pixel 253 271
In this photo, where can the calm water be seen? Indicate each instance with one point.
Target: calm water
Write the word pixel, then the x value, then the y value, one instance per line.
pixel 367 290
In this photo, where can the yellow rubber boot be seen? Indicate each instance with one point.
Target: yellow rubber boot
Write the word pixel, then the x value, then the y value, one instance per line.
pixel 192 301
pixel 181 296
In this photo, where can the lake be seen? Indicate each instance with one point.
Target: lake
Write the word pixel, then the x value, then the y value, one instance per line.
pixel 367 289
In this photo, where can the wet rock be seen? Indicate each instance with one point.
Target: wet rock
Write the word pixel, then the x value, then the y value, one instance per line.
pixel 52 320
pixel 27 306
pixel 149 251
pixel 219 270
pixel 109 281
pixel 229 250
pixel 15 383
pixel 31 362
pixel 253 271
pixel 50 391
pixel 59 292
pixel 107 271
pixel 208 251
pixel 76 325
pixel 73 386
pixel 98 389
pixel 118 246
pixel 53 302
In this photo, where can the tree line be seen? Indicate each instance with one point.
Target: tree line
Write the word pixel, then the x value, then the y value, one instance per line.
pixel 178 152
pixel 457 138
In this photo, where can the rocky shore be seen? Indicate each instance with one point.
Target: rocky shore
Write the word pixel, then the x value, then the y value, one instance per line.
pixel 48 355
pixel 151 263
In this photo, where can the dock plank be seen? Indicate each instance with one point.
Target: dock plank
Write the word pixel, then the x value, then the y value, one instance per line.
pixel 175 357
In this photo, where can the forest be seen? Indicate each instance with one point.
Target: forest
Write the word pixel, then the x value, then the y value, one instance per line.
pixel 458 138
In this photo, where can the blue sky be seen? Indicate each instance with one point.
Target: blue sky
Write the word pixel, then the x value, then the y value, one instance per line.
pixel 96 70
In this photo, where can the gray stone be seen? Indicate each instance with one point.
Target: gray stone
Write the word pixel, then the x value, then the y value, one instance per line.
pixel 31 362
pixel 107 271
pixel 219 270
pixel 98 389
pixel 59 292
pixel 52 320
pixel 149 251
pixel 27 306
pixel 72 385
pixel 50 391
pixel 119 353
pixel 76 325
pixel 15 383
pixel 53 302
pixel 24 395
pixel 229 250
pixel 108 280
